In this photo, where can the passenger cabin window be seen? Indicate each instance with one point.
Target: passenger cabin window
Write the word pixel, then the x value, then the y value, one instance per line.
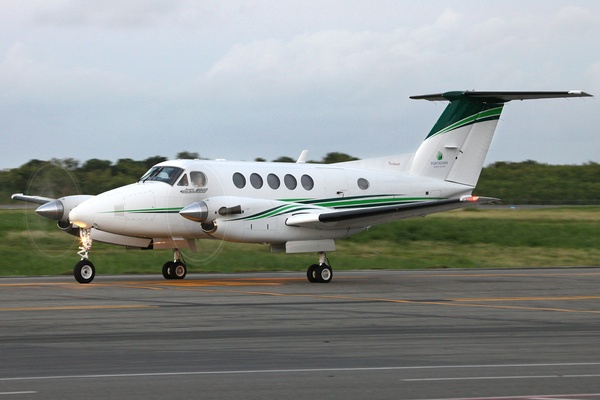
pixel 239 180
pixel 273 181
pixel 290 182
pixel 162 174
pixel 307 182
pixel 363 183
pixel 256 181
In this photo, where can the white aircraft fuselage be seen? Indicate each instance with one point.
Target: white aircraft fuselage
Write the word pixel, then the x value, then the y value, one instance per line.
pixel 267 194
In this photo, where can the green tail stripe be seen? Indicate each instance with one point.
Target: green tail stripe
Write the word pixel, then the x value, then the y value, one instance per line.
pixel 487 115
pixel 463 111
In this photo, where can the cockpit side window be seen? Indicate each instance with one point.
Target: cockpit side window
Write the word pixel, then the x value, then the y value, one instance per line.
pixel 183 181
pixel 198 178
pixel 162 174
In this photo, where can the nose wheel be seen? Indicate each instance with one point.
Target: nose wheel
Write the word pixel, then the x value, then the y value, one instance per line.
pixel 84 271
pixel 321 272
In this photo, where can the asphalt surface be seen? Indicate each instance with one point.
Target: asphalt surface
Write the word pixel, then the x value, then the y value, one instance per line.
pixel 439 334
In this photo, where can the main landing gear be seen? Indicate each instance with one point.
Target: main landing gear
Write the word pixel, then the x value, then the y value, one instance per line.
pixel 175 269
pixel 321 272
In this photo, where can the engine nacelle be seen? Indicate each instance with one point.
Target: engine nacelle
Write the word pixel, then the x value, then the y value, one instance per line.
pixel 208 210
pixel 224 208
pixel 59 209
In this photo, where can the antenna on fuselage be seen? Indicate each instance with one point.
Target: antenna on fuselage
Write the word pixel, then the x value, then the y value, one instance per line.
pixel 302 158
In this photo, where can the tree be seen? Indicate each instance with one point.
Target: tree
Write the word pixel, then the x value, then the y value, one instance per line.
pixel 284 159
pixel 335 157
pixel 186 155
pixel 150 162
pixel 95 165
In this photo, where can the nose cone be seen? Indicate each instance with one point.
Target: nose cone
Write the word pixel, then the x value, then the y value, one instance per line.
pixel 197 212
pixel 54 210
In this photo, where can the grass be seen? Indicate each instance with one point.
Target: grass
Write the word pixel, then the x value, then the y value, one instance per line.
pixel 479 238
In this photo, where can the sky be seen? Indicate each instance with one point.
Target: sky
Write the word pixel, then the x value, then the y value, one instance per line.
pixel 238 80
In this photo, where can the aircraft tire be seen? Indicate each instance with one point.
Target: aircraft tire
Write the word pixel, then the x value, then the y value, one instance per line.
pixel 178 270
pixel 324 273
pixel 311 273
pixel 84 271
pixel 166 269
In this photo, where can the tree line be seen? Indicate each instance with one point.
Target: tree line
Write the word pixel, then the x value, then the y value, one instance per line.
pixel 61 177
pixel 527 182
pixel 530 182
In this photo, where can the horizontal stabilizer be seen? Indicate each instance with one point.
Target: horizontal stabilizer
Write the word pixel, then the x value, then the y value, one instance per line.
pixel 500 97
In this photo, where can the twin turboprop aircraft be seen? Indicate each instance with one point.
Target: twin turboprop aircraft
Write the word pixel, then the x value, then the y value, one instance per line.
pixel 294 207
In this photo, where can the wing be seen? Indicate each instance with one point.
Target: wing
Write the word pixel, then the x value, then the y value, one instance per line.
pixel 31 199
pixel 377 215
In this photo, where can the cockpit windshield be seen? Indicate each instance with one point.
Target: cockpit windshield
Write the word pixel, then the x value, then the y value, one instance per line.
pixel 162 174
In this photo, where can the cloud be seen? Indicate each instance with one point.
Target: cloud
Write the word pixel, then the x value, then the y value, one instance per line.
pixel 328 74
pixel 111 13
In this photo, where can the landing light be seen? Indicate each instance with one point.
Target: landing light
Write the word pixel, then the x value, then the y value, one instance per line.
pixel 471 199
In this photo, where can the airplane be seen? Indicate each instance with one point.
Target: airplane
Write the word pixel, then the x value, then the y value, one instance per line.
pixel 294 207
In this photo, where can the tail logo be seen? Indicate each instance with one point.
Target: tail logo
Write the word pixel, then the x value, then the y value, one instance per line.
pixel 439 163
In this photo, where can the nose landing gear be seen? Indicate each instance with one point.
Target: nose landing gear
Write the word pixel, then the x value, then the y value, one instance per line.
pixel 84 271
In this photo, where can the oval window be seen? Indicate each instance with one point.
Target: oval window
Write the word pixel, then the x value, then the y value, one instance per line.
pixel 256 181
pixel 307 182
pixel 363 183
pixel 273 181
pixel 290 182
pixel 238 180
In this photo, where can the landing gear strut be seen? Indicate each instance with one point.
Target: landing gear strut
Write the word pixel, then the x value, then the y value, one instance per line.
pixel 84 271
pixel 321 272
pixel 175 269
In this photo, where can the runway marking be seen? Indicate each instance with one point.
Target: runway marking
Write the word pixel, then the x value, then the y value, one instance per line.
pixel 476 378
pixel 301 370
pixel 506 274
pixel 15 393
pixel 535 397
pixel 74 308
pixel 174 283
pixel 442 302
pixel 537 298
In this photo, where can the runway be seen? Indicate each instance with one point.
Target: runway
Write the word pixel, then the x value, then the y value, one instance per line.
pixel 435 334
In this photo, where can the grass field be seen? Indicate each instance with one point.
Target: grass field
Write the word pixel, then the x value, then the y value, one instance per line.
pixel 471 238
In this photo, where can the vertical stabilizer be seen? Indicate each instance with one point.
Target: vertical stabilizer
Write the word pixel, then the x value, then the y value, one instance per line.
pixel 456 147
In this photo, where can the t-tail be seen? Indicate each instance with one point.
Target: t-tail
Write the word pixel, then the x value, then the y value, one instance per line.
pixel 456 147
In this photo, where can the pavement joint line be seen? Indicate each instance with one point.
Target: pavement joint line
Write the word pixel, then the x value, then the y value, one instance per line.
pixel 449 302
pixel 76 308
pixel 475 378
pixel 302 370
